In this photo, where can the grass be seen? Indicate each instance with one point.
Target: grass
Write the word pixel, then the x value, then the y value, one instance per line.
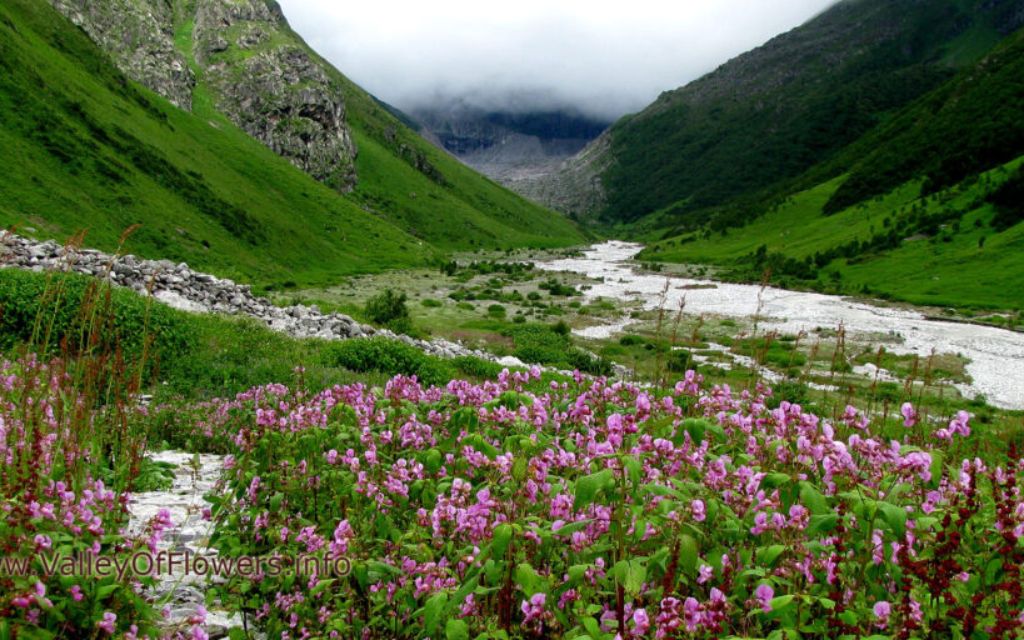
pixel 478 303
pixel 949 265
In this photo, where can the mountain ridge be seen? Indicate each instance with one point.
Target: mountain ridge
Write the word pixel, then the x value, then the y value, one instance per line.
pixel 774 112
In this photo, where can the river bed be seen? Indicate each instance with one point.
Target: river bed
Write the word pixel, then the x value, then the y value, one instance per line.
pixel 996 356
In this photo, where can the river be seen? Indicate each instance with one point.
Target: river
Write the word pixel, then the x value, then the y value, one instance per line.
pixel 996 356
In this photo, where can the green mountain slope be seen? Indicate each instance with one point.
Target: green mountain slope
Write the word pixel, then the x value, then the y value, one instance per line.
pixel 771 114
pixel 87 149
pixel 925 208
pixel 398 174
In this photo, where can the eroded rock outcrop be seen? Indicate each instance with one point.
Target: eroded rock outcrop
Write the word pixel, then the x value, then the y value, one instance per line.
pixel 139 36
pixel 269 84
pixel 259 73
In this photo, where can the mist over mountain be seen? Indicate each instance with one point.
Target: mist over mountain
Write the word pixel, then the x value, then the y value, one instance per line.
pixel 510 145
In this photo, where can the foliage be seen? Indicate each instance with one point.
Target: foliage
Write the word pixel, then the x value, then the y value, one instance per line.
pixel 550 345
pixel 971 124
pixel 1009 202
pixel 927 250
pixel 392 357
pixel 389 309
pixel 55 312
pixel 595 510
pixel 707 149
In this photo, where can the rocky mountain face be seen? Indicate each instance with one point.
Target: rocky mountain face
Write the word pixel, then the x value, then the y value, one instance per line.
pixel 139 36
pixel 270 85
pixel 515 149
pixel 773 113
pixel 258 72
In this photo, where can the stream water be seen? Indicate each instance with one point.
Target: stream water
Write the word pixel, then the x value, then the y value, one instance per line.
pixel 996 356
pixel 184 593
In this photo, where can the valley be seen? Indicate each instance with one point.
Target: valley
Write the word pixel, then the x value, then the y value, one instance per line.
pixel 748 363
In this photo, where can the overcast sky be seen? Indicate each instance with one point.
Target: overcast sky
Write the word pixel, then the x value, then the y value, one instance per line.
pixel 606 58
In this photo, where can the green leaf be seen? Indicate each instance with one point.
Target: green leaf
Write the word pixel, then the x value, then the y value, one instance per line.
pixel 456 629
pixel 662 490
pixel 432 611
pixel 502 537
pixel 936 468
pixel 696 427
pixel 688 553
pixel 813 499
pixel 577 572
pixel 895 517
pixel 774 480
pixel 588 487
pixel 528 579
pixel 633 468
pixel 780 603
pixel 635 575
pixel 573 527
pixel 768 555
pixel 821 524
pixel 433 461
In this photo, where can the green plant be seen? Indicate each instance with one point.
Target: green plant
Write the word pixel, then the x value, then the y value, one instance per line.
pixel 389 309
pixel 496 311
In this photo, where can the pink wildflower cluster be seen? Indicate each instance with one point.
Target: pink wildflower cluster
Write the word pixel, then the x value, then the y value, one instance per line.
pixel 544 508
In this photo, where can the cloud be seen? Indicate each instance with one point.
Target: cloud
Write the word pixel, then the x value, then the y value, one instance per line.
pixel 604 58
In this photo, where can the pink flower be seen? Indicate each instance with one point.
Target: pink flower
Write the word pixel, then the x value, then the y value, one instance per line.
pixel 76 593
pixel 107 623
pixel 699 510
pixel 882 611
pixel 704 574
pixel 534 608
pixel 909 415
pixel 764 594
pixel 641 622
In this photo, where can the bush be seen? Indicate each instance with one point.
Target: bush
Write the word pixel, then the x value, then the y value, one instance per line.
pixel 388 309
pixel 475 367
pixel 1009 202
pixel 67 314
pixel 680 361
pixel 550 345
pixel 389 357
pixel 496 311
pixel 430 303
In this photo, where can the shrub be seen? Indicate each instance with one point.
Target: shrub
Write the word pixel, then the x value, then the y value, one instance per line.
pixel 680 361
pixel 389 357
pixel 69 314
pixel 550 345
pixel 430 303
pixel 496 311
pixel 388 309
pixel 475 367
